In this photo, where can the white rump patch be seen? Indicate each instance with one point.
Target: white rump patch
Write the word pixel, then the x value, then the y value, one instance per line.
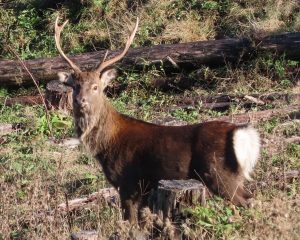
pixel 246 144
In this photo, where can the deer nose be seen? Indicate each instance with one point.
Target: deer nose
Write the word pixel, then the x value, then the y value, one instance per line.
pixel 81 101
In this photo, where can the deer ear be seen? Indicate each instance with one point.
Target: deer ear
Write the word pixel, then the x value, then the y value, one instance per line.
pixel 65 78
pixel 107 76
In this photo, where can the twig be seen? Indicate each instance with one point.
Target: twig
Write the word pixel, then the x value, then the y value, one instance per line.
pixel 68 213
pixel 108 32
pixel 4 104
pixel 255 100
pixel 37 86
pixel 110 195
pixel 174 64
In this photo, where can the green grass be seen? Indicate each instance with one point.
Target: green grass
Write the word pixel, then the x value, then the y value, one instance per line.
pixel 217 218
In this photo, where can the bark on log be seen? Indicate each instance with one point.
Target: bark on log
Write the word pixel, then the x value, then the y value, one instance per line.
pixel 24 100
pixel 173 196
pixel 185 55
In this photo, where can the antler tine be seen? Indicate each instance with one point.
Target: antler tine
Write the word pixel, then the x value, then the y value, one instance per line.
pixel 104 64
pixel 58 30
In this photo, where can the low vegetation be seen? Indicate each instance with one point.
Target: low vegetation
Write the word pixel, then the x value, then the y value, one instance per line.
pixel 37 173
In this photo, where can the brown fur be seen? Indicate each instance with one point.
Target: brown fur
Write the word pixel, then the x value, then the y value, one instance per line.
pixel 135 155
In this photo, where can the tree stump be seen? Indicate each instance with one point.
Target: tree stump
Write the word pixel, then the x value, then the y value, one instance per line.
pixel 59 96
pixel 173 196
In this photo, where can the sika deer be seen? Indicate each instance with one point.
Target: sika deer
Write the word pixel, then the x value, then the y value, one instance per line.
pixel 134 152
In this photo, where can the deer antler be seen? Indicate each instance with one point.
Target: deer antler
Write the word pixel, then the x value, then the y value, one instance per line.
pixel 58 30
pixel 109 62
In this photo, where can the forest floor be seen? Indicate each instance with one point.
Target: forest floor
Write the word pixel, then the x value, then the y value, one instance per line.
pixel 37 173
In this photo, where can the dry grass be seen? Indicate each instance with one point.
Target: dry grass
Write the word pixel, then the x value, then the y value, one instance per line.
pixel 35 175
pixel 189 29
pixel 98 25
pixel 35 178
pixel 277 13
pixel 30 197
pixel 276 208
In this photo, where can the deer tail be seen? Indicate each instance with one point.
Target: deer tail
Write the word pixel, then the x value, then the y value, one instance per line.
pixel 246 144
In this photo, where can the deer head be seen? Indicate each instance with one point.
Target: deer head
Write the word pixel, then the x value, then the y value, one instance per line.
pixel 88 86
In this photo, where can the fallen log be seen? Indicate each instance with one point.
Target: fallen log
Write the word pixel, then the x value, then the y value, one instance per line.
pixel 184 55
pixel 253 117
pixel 223 102
pixel 24 100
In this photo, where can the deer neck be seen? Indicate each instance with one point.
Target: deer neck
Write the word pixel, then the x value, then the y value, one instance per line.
pixel 98 128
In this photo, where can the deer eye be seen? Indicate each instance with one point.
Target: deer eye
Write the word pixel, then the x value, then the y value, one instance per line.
pixel 95 87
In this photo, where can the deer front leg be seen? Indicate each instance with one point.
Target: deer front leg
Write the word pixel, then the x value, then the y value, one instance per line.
pixel 129 204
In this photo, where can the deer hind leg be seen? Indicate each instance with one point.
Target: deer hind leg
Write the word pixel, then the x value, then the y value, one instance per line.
pixel 230 186
pixel 238 198
pixel 238 195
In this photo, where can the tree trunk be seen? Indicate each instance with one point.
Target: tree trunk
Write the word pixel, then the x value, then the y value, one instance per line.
pixel 183 55
pixel 59 96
